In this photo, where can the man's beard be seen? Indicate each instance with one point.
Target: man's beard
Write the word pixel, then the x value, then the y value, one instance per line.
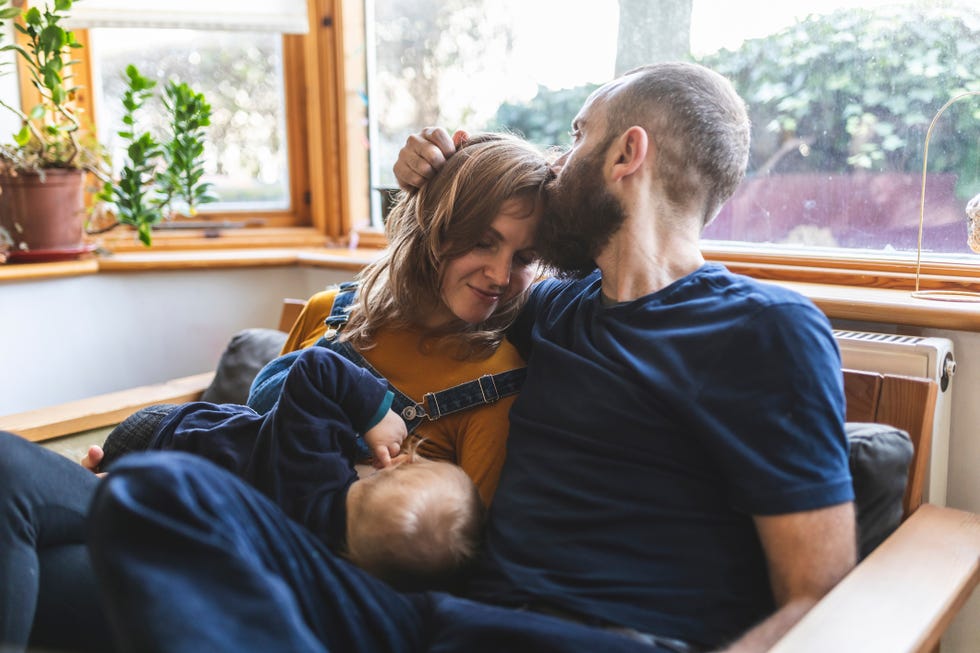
pixel 581 217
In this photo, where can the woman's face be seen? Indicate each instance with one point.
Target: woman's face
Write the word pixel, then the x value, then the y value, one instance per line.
pixel 502 264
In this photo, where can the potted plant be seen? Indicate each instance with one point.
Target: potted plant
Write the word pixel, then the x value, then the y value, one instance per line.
pixel 42 209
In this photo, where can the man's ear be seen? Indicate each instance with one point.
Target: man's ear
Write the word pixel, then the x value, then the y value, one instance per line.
pixel 629 151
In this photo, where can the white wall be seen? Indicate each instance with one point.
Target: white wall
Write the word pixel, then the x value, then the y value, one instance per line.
pixel 67 339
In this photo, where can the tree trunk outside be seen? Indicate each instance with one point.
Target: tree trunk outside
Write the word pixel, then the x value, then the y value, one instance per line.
pixel 652 31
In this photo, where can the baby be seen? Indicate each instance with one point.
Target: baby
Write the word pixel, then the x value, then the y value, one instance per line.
pixel 414 523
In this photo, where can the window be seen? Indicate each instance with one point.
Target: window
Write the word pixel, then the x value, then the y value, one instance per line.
pixel 237 60
pixel 840 93
pixel 284 85
pixel 240 74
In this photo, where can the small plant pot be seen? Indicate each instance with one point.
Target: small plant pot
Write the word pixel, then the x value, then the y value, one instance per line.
pixel 43 216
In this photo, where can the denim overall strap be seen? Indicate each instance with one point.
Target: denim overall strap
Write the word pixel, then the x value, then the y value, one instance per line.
pixel 401 404
pixel 340 312
pixel 485 390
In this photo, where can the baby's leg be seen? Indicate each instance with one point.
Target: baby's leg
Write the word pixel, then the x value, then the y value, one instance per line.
pixel 193 559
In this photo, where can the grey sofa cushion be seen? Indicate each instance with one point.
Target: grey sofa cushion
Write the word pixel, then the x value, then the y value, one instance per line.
pixel 247 352
pixel 879 459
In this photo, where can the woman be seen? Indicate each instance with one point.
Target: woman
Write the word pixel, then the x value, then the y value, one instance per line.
pixel 430 313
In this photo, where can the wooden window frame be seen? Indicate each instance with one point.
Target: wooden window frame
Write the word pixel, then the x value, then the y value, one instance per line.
pixel 315 134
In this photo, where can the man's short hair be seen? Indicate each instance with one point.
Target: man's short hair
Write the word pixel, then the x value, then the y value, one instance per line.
pixel 699 124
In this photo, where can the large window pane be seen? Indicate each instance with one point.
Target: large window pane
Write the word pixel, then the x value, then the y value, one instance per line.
pixel 482 64
pixel 841 100
pixel 840 95
pixel 240 74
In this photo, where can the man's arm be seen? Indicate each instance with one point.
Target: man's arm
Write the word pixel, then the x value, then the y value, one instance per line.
pixel 807 554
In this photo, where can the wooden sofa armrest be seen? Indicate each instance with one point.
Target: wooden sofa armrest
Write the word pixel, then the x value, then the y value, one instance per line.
pixel 102 410
pixel 903 596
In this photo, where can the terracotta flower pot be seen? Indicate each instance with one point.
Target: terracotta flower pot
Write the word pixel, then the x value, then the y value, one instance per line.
pixel 43 216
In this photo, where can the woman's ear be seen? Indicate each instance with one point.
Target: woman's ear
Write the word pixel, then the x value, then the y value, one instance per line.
pixel 629 151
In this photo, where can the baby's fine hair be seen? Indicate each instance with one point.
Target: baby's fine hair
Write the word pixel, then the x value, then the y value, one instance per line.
pixel 418 529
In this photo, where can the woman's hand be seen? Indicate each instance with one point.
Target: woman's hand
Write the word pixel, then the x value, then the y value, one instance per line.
pixel 385 438
pixel 92 460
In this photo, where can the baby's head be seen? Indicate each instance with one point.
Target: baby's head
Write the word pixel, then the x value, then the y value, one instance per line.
pixel 416 525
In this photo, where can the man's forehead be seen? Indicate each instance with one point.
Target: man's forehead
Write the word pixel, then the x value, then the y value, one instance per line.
pixel 588 109
pixel 597 100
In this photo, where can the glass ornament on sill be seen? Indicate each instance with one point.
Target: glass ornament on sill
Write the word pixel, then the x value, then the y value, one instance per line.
pixel 973 227
pixel 973 222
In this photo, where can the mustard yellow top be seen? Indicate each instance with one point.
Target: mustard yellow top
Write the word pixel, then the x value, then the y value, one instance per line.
pixel 474 439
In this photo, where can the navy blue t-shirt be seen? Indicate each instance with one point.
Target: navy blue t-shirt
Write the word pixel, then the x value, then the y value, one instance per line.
pixel 647 435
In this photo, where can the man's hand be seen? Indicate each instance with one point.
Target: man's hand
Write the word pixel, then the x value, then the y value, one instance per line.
pixel 92 460
pixel 385 438
pixel 423 155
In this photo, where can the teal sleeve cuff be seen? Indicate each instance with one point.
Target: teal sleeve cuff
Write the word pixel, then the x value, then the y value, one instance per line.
pixel 382 410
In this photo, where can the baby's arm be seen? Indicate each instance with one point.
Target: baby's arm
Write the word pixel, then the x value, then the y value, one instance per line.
pixel 327 397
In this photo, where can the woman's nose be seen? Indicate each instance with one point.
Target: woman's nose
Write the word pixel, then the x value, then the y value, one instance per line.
pixel 498 271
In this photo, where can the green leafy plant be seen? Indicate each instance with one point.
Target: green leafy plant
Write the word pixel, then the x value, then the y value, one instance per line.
pixel 155 175
pixel 133 194
pixel 49 133
pixel 183 167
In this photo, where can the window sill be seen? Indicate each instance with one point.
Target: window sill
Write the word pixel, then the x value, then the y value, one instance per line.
pixel 124 239
pixel 195 259
pixel 333 258
pixel 837 298
pixel 889 306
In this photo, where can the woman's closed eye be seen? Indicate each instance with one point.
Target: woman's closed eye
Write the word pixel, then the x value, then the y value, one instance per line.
pixel 526 257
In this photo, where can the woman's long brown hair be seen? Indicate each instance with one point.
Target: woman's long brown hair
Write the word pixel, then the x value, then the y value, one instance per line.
pixel 444 220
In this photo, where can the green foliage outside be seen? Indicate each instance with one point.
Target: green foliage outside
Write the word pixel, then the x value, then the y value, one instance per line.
pixel 858 88
pixel 546 120
pixel 855 89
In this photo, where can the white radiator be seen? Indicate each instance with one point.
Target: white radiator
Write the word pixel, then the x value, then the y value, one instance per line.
pixel 911 356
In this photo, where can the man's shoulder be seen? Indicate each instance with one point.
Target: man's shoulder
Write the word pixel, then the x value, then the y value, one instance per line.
pixel 750 290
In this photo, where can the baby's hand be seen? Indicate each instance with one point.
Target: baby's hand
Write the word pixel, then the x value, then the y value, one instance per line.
pixel 385 438
pixel 92 460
